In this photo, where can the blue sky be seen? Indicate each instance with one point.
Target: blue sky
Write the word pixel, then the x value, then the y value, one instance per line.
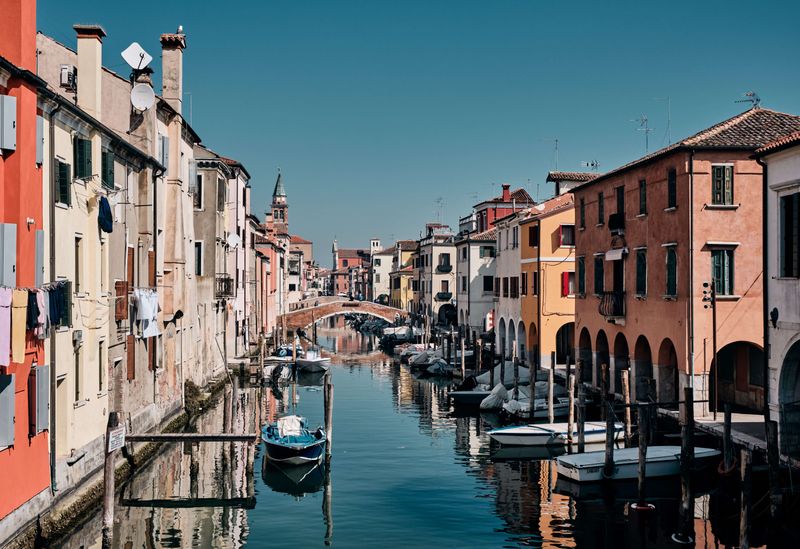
pixel 373 109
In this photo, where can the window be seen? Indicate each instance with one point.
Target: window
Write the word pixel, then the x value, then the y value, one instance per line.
pixel 197 197
pixel 63 183
pixel 163 150
pixel 463 283
pixel 642 197
pixel 523 287
pixel 790 236
pixel 583 214
pixel 514 287
pixel 620 193
pixel 599 275
pixel 535 283
pixel 497 287
pixel 78 264
pixel 567 234
pixel 292 287
pixel 378 278
pixel 377 261
pixel 444 260
pixel 722 271
pixel 581 275
pixel 722 184
pixel 567 284
pixel 221 194
pixel 445 286
pixel 641 272
pixel 82 157
pixel 505 286
pixel 198 258
pixel 487 251
pixel 101 366
pixel 601 209
pixel 672 188
pixel 107 174
pixel 533 235
pixel 78 382
pixel 344 262
pixel 488 284
pixel 464 253
pixel 515 237
pixel 672 272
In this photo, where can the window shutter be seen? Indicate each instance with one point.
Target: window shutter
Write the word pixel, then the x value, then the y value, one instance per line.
pixel 107 169
pixel 672 198
pixel 131 356
pixel 121 301
pixel 641 273
pixel 151 268
pixel 564 284
pixel 66 315
pixel 728 184
pixel 64 185
pixel 672 266
pixel 165 151
pixel 32 386
pixel 581 275
pixel 151 353
pixel 39 399
pixel 561 235
pixel 7 397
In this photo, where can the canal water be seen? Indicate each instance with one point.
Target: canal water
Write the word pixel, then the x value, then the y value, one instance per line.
pixel 406 471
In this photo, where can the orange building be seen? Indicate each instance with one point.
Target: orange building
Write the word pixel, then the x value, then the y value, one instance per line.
pixel 649 235
pixel 547 288
pixel 24 386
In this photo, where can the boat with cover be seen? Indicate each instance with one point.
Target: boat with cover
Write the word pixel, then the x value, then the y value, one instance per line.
pixel 551 434
pixel 313 362
pixel 662 461
pixel 475 389
pixel 290 442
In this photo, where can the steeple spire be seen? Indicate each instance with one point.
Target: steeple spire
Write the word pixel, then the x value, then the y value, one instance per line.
pixel 279 191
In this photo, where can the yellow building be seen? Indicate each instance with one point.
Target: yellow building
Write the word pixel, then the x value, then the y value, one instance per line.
pixel 402 276
pixel 547 288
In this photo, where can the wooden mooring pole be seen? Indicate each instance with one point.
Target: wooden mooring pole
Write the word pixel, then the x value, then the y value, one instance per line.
pixel 626 398
pixel 463 361
pixel 643 412
pixel 550 381
pixel 571 416
pixel 773 461
pixel 515 365
pixel 727 443
pixel 608 468
pixel 603 390
pixel 328 400
pixel 581 408
pixel 744 516
pixel 112 426
pixel 687 465
pixel 478 352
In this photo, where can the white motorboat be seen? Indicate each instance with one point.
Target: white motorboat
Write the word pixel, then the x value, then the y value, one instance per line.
pixel 313 362
pixel 521 409
pixel 551 434
pixel 662 461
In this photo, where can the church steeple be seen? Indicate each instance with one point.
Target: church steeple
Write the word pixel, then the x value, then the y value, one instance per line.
pixel 280 208
pixel 279 194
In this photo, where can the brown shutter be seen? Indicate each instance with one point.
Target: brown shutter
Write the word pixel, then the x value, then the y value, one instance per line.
pixel 151 353
pixel 131 349
pixel 121 301
pixel 151 268
pixel 130 267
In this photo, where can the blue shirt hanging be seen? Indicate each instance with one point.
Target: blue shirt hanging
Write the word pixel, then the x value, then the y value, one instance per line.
pixel 104 217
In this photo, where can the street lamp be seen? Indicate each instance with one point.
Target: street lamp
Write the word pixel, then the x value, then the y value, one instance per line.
pixel 710 300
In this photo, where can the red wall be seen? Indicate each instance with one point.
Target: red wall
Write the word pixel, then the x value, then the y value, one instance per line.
pixel 24 467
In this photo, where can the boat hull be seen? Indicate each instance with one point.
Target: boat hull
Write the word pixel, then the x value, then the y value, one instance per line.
pixel 468 398
pixel 553 434
pixel 295 454
pixel 313 365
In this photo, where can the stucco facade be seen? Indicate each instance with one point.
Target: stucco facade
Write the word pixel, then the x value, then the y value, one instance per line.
pixel 475 275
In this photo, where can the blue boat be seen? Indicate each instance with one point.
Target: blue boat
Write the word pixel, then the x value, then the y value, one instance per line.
pixel 290 442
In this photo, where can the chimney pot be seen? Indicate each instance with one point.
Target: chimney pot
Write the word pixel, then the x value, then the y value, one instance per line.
pixel 506 192
pixel 90 31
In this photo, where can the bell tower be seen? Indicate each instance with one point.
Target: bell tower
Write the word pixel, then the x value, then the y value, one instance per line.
pixel 280 208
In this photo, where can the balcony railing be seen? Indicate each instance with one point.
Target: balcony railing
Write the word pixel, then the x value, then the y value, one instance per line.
pixel 444 268
pixel 612 304
pixel 444 296
pixel 223 286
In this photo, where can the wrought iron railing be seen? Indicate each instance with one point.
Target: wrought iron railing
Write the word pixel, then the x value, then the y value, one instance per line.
pixel 223 286
pixel 612 304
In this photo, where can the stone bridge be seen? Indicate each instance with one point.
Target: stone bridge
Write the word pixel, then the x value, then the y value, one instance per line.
pixel 305 316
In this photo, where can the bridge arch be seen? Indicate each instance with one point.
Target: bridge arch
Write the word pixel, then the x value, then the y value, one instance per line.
pixel 304 317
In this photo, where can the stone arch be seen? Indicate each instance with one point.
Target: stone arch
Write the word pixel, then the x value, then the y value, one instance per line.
pixel 522 348
pixel 601 356
pixel 584 353
pixel 642 384
pixel 621 361
pixel 666 373
pixel 501 337
pixel 533 344
pixel 565 343
pixel 447 315
pixel 511 338
pixel 789 401
pixel 740 379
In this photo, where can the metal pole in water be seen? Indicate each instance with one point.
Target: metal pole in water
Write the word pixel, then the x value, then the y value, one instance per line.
pixel 328 415
pixel 479 356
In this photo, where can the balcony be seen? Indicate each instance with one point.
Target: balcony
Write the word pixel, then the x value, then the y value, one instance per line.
pixel 223 286
pixel 443 296
pixel 444 268
pixel 612 305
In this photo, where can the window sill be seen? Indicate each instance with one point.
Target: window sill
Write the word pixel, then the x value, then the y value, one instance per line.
pixel 722 207
pixel 599 224
pixel 640 297
pixel 728 297
pixel 671 209
pixel 568 246
pixel 580 296
pixel 79 403
pixel 62 205
pixel 101 394
pixel 669 297
pixel 640 216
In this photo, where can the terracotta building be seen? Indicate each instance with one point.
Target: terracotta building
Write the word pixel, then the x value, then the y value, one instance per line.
pixel 649 235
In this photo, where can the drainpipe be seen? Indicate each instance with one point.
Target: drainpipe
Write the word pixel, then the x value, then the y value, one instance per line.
pixel 539 296
pixel 52 230
pixel 157 172
pixel 691 270
pixel 469 275
pixel 765 282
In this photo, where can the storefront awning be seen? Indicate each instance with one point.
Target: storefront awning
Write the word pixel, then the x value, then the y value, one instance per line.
pixel 616 254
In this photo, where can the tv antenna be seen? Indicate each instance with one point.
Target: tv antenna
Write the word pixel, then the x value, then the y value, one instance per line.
pixel 142 97
pixel 135 56
pixel 752 98
pixel 593 165
pixel 643 127
pixel 554 140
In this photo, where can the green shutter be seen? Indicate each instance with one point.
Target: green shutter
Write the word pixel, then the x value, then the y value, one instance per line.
pixel 641 272
pixel 64 184
pixel 82 157
pixel 581 275
pixel 107 169
pixel 728 184
pixel 672 268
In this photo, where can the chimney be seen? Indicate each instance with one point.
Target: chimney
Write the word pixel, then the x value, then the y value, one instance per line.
pixel 90 66
pixel 506 192
pixel 172 46
pixel 18 33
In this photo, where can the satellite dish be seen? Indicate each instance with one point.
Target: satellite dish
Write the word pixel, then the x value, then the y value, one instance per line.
pixel 142 97
pixel 135 56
